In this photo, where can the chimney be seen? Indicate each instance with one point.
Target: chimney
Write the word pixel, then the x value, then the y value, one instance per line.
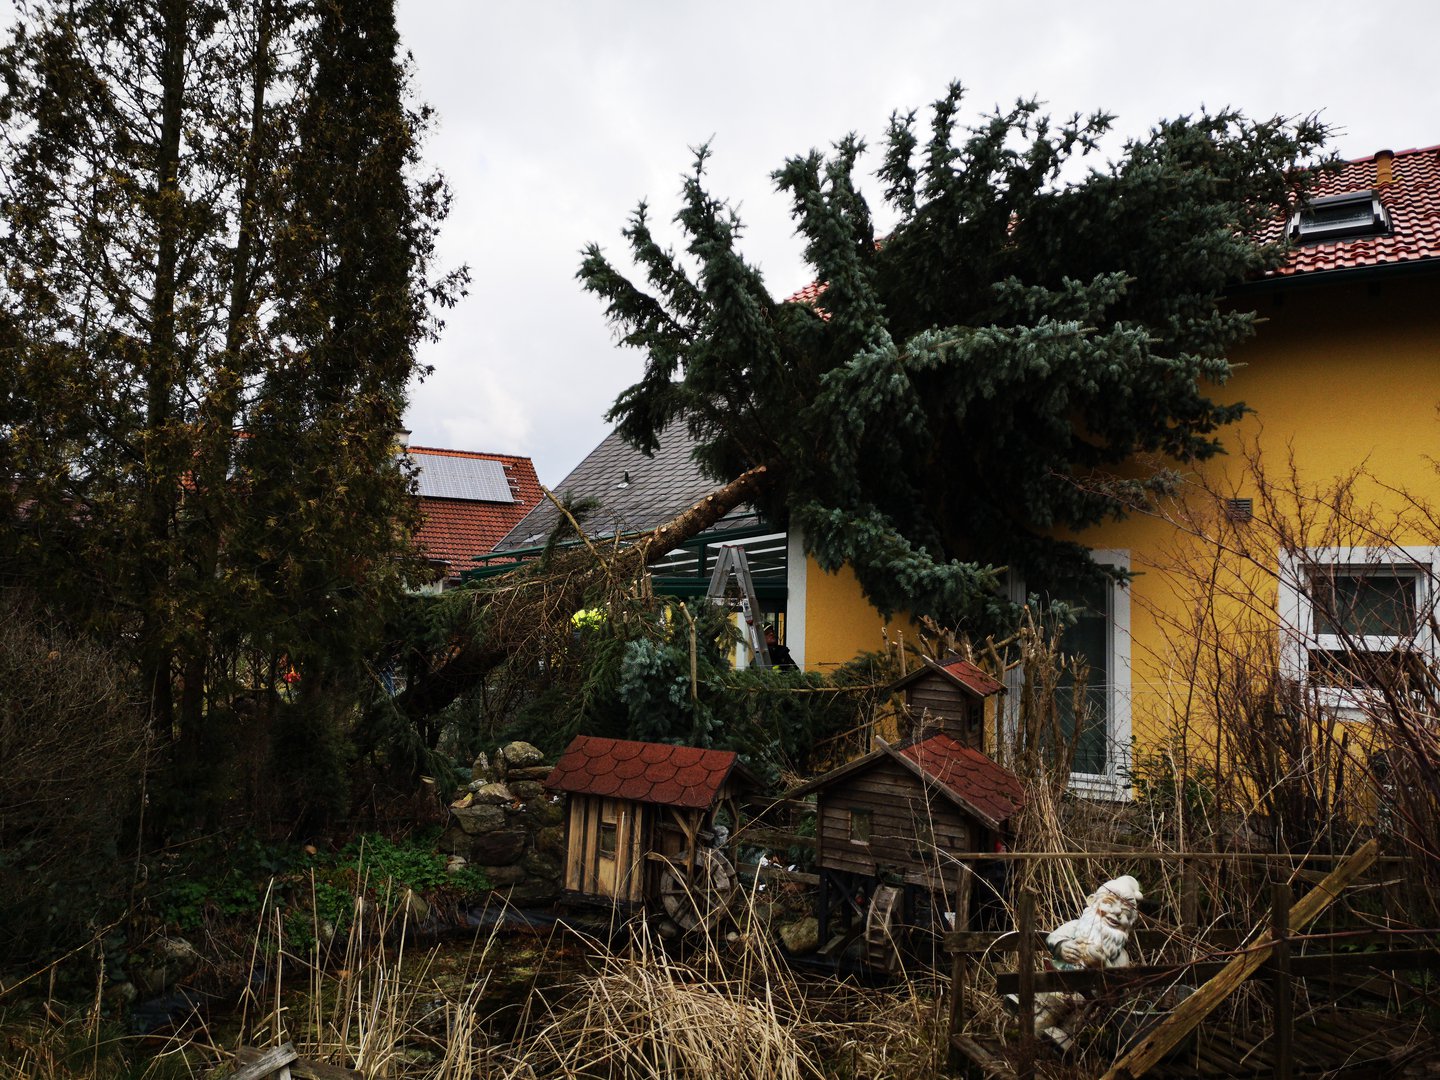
pixel 1384 167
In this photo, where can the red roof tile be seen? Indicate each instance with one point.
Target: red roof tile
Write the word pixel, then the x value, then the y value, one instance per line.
pixel 969 775
pixel 976 679
pixel 683 776
pixel 1412 200
pixel 454 531
pixel 967 675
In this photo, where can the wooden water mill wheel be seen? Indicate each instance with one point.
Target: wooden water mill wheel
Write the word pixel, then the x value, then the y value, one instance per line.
pixel 702 897
pixel 882 929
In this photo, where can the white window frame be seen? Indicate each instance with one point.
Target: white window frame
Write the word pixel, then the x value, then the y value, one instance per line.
pixel 1114 783
pixel 1298 637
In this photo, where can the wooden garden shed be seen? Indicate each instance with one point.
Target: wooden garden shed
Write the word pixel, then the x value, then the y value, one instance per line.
pixel 886 825
pixel 948 696
pixel 641 824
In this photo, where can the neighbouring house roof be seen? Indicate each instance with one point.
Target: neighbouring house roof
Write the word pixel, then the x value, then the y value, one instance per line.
pixel 469 501
pixel 975 783
pixel 683 776
pixel 635 493
pixel 1408 185
pixel 962 673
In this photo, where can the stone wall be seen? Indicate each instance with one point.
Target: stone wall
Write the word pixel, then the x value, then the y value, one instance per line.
pixel 506 824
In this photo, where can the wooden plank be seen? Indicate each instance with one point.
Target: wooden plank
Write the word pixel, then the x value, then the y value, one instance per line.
pixel 1167 1034
pixel 263 1064
pixel 1110 979
pixel 317 1070
pixel 982 941
pixel 992 1065
pixel 1135 855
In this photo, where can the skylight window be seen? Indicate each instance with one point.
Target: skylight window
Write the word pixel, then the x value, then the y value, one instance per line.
pixel 1340 217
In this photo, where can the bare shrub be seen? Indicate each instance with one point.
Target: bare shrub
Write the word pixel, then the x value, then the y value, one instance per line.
pixel 72 754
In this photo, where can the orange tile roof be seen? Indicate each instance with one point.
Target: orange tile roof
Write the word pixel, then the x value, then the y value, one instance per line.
pixel 454 531
pixel 1412 199
pixel 683 776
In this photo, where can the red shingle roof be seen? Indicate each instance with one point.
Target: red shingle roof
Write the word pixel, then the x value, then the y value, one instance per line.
pixel 454 531
pixel 966 674
pixel 963 671
pixel 1412 199
pixel 990 789
pixel 683 776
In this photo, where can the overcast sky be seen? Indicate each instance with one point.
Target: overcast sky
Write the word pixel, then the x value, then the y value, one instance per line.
pixel 555 118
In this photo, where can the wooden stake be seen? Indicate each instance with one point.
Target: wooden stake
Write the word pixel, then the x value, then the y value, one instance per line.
pixel 1145 1054
pixel 1284 1014
pixel 1026 968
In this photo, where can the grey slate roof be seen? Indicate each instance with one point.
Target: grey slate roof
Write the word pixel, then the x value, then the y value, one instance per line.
pixel 636 493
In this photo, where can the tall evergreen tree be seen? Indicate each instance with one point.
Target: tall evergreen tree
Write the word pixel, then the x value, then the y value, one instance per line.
pixel 995 370
pixel 215 270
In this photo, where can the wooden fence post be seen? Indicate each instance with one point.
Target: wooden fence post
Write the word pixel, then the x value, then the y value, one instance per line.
pixel 1284 1009
pixel 1165 1035
pixel 1025 961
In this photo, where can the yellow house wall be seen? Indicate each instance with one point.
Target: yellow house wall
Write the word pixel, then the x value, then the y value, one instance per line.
pixel 1338 376
pixel 840 623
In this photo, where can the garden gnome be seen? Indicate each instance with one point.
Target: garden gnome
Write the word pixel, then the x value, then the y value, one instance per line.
pixel 1097 939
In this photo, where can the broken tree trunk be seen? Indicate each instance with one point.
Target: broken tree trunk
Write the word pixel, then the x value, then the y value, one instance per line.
pixel 1143 1056
pixel 534 596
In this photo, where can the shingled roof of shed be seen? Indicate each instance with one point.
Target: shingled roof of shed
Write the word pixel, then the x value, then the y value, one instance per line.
pixel 683 776
pixel 992 791
pixel 978 785
pixel 961 672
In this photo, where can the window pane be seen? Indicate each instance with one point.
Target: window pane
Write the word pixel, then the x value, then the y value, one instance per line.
pixel 860 826
pixel 1088 638
pixel 1379 603
pixel 1363 668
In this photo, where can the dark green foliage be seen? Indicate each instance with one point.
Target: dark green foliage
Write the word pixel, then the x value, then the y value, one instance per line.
pixel 630 677
pixel 230 883
pixel 1001 367
pixel 214 273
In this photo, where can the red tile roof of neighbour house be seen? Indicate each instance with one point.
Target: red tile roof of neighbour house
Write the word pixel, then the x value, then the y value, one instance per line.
pixel 1411 196
pixel 989 789
pixel 683 776
pixel 460 525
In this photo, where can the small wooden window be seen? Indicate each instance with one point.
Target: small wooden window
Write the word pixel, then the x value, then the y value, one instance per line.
pixel 607 839
pixel 860 826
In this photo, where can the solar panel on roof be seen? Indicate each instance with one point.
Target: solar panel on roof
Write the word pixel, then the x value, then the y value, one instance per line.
pixel 477 479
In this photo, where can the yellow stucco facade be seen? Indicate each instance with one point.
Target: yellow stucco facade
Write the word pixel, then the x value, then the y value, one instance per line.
pixel 1338 459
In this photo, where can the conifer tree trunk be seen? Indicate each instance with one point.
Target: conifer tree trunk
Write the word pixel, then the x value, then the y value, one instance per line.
pixel 162 476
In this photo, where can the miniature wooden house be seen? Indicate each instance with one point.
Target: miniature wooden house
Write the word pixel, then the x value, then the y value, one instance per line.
pixel 948 697
pixel 888 824
pixel 640 824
